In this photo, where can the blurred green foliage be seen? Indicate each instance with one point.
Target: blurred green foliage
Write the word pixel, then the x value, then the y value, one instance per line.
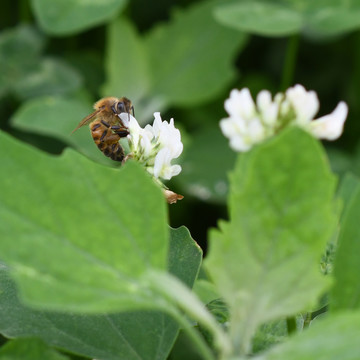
pixel 180 57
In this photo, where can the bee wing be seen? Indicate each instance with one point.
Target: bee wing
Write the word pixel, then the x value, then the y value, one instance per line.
pixel 87 119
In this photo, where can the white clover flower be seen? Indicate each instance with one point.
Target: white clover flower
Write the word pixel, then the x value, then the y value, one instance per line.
pixel 155 146
pixel 330 126
pixel 249 123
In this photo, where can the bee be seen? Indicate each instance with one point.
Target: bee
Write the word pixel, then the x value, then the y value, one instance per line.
pixel 106 127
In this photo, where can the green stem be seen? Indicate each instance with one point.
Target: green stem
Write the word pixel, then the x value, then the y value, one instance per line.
pixel 201 345
pixel 307 320
pixel 24 11
pixel 178 294
pixel 291 324
pixel 290 62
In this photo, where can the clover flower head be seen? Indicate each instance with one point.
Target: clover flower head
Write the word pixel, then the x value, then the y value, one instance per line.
pixel 250 123
pixel 155 146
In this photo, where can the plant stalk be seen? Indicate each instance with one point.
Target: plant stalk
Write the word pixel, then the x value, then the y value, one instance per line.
pixel 290 62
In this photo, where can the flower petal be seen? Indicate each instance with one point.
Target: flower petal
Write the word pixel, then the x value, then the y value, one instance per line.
pixel 240 103
pixel 330 126
pixel 305 104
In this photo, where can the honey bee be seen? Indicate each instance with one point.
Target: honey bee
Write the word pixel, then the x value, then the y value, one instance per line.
pixel 106 127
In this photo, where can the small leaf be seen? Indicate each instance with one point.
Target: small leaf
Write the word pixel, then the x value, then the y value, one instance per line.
pixel 133 335
pixel 65 17
pixel 265 260
pixel 333 338
pixel 92 232
pixel 28 349
pixel 345 293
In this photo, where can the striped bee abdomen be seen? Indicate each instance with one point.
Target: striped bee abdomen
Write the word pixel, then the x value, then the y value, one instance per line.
pixel 106 140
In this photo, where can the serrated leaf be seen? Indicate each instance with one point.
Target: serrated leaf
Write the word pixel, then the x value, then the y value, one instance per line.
pixel 133 335
pixel 28 349
pixel 65 17
pixel 333 338
pixel 202 47
pixel 265 260
pixel 58 117
pixel 92 232
pixel 345 293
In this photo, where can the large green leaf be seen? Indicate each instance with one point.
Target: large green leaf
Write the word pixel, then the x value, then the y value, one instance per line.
pixel 57 117
pixel 29 349
pixel 133 335
pixel 265 260
pixel 65 17
pixel 286 17
pixel 78 235
pixel 333 338
pixel 345 293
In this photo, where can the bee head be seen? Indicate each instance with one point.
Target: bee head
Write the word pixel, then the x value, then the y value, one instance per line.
pixel 122 106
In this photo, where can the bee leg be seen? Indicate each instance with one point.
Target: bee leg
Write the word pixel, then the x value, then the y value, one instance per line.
pixel 105 123
pixel 121 131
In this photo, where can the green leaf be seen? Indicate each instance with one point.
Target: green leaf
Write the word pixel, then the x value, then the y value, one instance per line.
pixel 207 161
pixel 28 349
pixel 125 62
pixel 286 17
pixel 347 190
pixel 269 334
pixel 265 260
pixel 65 17
pixel 177 77
pixel 333 17
pixel 57 117
pixel 333 338
pixel 259 17
pixel 345 293
pixel 198 66
pixel 93 232
pixel 20 50
pixel 53 77
pixel 133 335
pixel 185 256
pixel 25 73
